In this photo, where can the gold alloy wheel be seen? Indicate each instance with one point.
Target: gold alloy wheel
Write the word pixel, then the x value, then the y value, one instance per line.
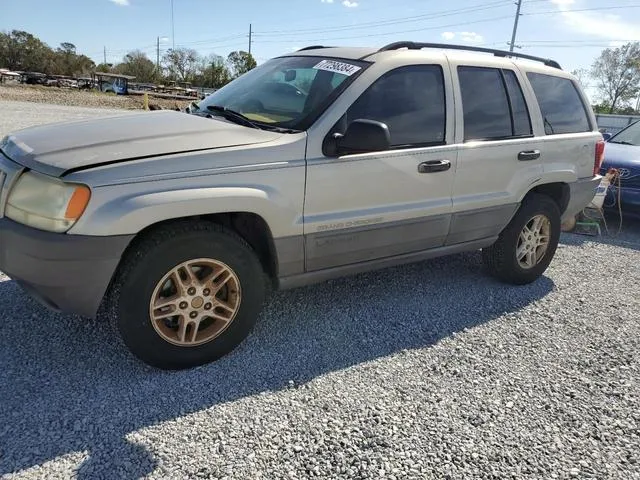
pixel 533 242
pixel 195 302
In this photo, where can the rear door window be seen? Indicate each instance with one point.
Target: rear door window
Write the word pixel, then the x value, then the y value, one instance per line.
pixel 562 108
pixel 521 120
pixel 484 103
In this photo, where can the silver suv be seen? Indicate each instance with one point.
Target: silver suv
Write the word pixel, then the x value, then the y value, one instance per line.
pixel 317 164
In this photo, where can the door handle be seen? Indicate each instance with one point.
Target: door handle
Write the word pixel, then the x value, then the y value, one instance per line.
pixel 432 166
pixel 529 155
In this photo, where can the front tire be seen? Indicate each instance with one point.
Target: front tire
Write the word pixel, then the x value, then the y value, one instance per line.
pixel 188 294
pixel 528 243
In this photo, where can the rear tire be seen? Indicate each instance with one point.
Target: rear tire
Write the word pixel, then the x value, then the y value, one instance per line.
pixel 517 257
pixel 208 322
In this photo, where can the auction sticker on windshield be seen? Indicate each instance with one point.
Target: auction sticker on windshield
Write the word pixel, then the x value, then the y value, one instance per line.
pixel 337 67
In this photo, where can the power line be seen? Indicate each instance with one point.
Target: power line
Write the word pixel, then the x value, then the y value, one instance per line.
pixel 437 27
pixel 393 21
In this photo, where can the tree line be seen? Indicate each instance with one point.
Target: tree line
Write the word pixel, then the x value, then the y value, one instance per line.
pixel 22 51
pixel 616 71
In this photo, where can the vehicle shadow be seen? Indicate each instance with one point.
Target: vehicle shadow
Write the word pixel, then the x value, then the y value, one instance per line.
pixel 69 385
pixel 628 237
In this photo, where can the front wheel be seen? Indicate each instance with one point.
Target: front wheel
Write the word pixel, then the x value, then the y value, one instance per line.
pixel 187 295
pixel 528 243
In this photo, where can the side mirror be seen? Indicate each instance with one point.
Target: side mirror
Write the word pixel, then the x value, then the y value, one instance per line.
pixel 606 136
pixel 363 136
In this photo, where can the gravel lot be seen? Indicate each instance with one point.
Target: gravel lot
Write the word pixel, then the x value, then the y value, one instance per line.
pixel 81 98
pixel 426 371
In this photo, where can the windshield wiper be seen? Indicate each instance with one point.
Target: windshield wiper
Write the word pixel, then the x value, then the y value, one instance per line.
pixel 232 115
pixel 622 142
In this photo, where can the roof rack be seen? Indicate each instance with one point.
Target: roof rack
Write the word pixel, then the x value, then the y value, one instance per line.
pixel 497 53
pixel 312 47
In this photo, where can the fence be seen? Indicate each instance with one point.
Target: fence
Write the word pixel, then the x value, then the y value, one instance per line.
pixel 610 123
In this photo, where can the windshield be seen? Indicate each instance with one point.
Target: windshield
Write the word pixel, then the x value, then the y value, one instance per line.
pixel 629 136
pixel 287 92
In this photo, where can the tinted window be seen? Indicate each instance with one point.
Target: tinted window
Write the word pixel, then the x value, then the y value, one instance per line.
pixel 561 105
pixel 521 120
pixel 410 100
pixel 484 103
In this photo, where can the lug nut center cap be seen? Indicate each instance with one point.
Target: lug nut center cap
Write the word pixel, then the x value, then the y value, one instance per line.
pixel 197 302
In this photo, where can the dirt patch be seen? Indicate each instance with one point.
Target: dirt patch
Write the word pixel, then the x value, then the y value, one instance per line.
pixel 83 98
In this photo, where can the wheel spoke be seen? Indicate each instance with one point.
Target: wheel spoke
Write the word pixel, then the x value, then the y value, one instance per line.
pixel 225 305
pixel 194 331
pixel 217 286
pixel 191 278
pixel 182 329
pixel 535 227
pixel 523 237
pixel 521 251
pixel 530 258
pixel 218 317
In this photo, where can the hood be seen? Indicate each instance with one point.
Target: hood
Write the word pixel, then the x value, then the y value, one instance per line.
pixel 619 155
pixel 59 148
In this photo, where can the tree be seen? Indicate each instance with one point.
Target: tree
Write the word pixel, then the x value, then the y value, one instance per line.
pixel 240 62
pixel 137 64
pixel 104 67
pixel 182 63
pixel 582 74
pixel 19 50
pixel 68 62
pixel 212 72
pixel 617 73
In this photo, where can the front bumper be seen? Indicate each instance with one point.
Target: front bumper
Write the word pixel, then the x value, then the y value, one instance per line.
pixel 68 273
pixel 581 193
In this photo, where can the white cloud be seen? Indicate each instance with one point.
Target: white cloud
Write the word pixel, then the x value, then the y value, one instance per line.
pixel 122 3
pixel 471 37
pixel 468 37
pixel 349 4
pixel 596 24
pixel 326 1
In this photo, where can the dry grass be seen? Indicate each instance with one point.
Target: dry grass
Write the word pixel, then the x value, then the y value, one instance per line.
pixel 82 98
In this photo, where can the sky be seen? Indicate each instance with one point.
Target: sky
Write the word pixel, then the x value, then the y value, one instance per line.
pixel 573 32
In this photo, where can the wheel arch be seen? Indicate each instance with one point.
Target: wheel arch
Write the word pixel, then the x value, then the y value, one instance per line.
pixel 250 226
pixel 559 192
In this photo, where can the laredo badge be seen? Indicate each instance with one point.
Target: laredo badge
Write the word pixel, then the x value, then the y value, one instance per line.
pixel 337 67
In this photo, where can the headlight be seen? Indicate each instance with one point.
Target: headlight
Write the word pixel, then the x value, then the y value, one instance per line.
pixel 46 203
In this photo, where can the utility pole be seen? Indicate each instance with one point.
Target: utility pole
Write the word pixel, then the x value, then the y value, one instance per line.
pixel 213 64
pixel 249 39
pixel 158 56
pixel 105 54
pixel 515 27
pixel 173 34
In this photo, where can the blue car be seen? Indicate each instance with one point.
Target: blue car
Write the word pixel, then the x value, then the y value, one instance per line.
pixel 622 152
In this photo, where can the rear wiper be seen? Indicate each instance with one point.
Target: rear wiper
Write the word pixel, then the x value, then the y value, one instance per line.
pixel 232 115
pixel 622 142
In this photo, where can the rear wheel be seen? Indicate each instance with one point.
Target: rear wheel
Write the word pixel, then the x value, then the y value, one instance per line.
pixel 527 245
pixel 188 294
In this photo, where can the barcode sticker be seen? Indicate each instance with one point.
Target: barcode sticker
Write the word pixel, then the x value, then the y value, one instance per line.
pixel 337 67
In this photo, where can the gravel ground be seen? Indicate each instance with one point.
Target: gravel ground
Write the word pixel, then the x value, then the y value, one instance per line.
pixel 426 371
pixel 81 98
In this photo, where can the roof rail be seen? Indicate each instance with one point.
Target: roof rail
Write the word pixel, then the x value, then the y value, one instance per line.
pixel 497 53
pixel 311 47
